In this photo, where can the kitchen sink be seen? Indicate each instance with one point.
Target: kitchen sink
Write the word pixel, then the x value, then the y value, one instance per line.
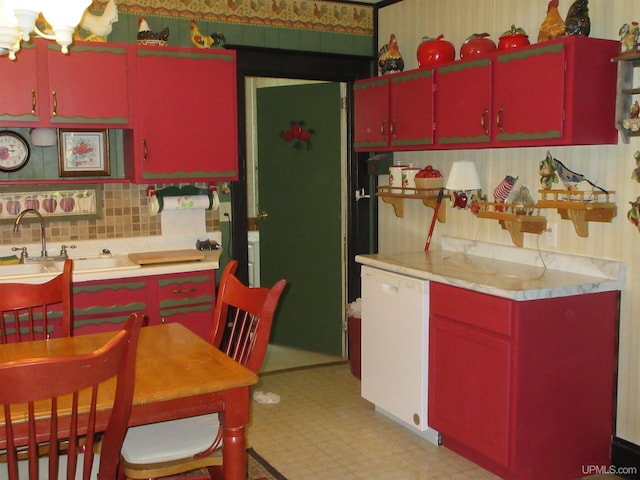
pixel 88 264
pixel 25 269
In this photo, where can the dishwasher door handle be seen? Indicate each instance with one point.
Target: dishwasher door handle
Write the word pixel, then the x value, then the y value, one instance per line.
pixel 387 287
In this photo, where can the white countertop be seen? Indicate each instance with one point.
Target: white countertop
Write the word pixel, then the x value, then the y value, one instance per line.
pixel 504 271
pixel 122 247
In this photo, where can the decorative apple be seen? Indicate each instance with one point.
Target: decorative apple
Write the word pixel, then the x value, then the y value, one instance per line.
pixel 516 37
pixel 49 205
pixel 67 204
pixel 428 172
pixel 435 50
pixel 32 202
pixel 13 207
pixel 477 45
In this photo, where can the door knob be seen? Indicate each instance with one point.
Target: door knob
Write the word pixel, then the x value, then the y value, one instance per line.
pixel 262 215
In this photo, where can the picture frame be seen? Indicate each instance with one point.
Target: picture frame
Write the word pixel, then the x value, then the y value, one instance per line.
pixel 83 153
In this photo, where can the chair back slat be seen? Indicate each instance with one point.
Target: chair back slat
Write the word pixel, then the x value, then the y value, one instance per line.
pixel 243 318
pixel 60 385
pixel 37 311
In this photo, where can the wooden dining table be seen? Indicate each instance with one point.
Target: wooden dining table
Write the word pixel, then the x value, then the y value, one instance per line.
pixel 178 374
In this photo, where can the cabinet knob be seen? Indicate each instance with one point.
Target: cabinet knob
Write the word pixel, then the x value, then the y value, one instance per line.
pixel 184 291
pixel 383 128
pixel 262 215
pixel 145 150
pixel 33 101
pixel 392 128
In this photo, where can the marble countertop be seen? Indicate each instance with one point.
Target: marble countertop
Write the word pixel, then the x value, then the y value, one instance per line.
pixel 504 271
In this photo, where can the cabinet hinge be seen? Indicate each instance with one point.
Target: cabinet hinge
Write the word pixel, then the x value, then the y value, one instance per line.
pixel 343 103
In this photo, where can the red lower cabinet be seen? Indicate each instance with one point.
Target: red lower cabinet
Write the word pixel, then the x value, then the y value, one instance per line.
pixel 186 298
pixel 523 388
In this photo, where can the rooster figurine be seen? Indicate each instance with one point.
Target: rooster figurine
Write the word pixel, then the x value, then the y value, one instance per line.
pixel 98 26
pixel 148 37
pixel 578 21
pixel 204 41
pixel 389 58
pixel 552 25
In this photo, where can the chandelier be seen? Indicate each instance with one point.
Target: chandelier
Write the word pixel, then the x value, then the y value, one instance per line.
pixel 18 22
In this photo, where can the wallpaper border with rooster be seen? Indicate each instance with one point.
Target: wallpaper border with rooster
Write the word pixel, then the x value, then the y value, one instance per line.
pixel 298 14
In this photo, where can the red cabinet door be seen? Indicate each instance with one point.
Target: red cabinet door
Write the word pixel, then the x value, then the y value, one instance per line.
pixel 411 106
pixel 463 104
pixel 187 124
pixel 19 92
pixel 371 114
pixel 529 94
pixel 88 86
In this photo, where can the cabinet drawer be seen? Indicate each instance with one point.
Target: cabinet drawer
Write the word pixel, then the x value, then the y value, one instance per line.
pixel 186 289
pixel 477 309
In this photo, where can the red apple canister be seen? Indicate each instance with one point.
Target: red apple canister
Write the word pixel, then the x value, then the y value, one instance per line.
pixel 515 37
pixel 477 45
pixel 435 50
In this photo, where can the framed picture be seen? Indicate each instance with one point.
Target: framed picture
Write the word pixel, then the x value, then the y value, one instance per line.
pixel 83 153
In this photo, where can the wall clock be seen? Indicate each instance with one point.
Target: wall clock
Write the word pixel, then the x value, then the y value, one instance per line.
pixel 14 151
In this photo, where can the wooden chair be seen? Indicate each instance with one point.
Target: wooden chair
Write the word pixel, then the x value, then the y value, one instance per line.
pixel 27 311
pixel 56 383
pixel 242 324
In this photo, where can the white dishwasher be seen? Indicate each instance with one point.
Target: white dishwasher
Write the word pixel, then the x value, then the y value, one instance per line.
pixel 395 348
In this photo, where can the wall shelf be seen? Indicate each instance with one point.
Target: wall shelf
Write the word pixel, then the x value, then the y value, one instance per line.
pixel 579 207
pixel 517 224
pixel 627 62
pixel 429 197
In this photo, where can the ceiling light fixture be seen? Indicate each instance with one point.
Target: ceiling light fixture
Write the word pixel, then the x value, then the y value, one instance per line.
pixel 18 22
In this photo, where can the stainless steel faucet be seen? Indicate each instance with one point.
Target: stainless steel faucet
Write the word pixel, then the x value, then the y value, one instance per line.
pixel 16 227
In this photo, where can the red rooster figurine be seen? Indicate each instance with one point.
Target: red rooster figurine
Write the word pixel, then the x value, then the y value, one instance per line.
pixel 552 25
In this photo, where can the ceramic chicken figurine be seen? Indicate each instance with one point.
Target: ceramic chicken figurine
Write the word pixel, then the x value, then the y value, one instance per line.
pixel 99 26
pixel 147 37
pixel 578 21
pixel 553 24
pixel 199 40
pixel 389 58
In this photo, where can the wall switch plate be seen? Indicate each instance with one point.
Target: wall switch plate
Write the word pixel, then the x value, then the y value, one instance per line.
pixel 551 235
pixel 225 211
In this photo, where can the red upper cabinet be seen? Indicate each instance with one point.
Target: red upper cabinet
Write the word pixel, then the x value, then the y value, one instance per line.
pixel 186 124
pixel 88 86
pixel 463 104
pixel 394 112
pixel 561 92
pixel 18 95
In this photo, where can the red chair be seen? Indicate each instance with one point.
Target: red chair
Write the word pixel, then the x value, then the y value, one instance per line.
pixel 29 311
pixel 241 328
pixel 47 451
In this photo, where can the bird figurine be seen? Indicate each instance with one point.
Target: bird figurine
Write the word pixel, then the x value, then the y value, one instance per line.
pixel 98 26
pixel 633 215
pixel 547 172
pixel 578 21
pixel 204 41
pixel 553 25
pixel 389 58
pixel 629 35
pixel 148 37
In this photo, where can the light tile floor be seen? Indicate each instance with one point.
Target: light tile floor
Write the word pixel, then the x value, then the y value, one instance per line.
pixel 322 429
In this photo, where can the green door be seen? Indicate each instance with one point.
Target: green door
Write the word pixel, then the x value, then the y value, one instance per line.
pixel 299 183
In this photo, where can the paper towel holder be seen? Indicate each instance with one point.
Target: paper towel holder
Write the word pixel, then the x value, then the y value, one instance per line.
pixel 211 192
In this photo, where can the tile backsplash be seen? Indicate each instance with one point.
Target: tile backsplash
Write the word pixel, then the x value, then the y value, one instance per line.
pixel 125 213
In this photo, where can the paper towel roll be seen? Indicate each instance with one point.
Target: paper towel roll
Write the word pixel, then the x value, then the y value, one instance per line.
pixel 158 204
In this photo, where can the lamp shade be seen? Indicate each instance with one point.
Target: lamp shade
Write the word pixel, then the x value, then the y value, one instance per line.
pixel 463 177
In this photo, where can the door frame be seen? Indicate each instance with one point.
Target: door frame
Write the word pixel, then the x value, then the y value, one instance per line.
pixel 269 62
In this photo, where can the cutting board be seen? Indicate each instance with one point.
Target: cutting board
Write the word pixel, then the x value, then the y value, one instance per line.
pixel 168 256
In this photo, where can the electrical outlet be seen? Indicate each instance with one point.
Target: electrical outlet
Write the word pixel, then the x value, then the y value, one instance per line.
pixel 552 235
pixel 225 211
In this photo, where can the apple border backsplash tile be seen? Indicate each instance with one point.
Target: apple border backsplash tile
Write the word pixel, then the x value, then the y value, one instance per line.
pixel 125 213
